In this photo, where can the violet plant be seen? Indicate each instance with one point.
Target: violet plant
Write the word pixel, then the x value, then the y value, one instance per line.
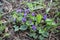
pixel 35 22
pixel 29 19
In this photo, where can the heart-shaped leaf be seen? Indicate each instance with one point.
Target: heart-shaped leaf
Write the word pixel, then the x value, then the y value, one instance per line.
pixel 23 27
pixel 16 28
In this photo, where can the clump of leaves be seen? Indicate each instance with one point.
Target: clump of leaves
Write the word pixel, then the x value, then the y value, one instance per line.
pixel 32 21
pixel 2 27
pixel 28 19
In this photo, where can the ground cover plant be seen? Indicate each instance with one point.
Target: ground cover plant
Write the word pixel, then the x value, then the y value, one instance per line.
pixel 29 19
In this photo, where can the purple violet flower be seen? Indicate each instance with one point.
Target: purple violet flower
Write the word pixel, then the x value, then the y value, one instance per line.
pixel 33 27
pixel 27 10
pixel 25 14
pixel 33 14
pixel 23 19
pixel 44 17
pixel 19 10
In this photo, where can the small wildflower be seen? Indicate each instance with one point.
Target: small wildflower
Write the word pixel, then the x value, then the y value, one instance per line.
pixel 44 17
pixel 33 27
pixel 27 10
pixel 33 14
pixel 19 10
pixel 23 19
pixel 25 14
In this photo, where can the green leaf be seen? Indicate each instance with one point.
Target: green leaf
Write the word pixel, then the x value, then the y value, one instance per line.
pixel 41 37
pixel 0 38
pixel 29 23
pixel 47 10
pixel 23 27
pixel 6 35
pixel 33 35
pixel 2 28
pixel 0 22
pixel 30 5
pixel 38 18
pixel 14 12
pixel 19 18
pixel 49 21
pixel 16 28
pixel 41 31
pixel 15 15
pixel 1 8
pixel 32 17
pixel 47 28
pixel 45 34
pixel 54 24
pixel 38 7
pixel 0 15
pixel 0 32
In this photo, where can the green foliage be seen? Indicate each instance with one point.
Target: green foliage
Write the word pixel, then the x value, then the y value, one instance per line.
pixel 41 37
pixel 2 27
pixel 36 5
pixel 47 10
pixel 6 35
pixel 16 28
pixel 0 38
pixel 42 29
pixel 50 22
pixel 28 23
pixel 23 27
pixel 33 35
pixel 32 17
pixel 15 15
pixel 1 8
pixel 30 5
pixel 0 16
pixel 38 18
pixel 19 18
pixel 43 32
